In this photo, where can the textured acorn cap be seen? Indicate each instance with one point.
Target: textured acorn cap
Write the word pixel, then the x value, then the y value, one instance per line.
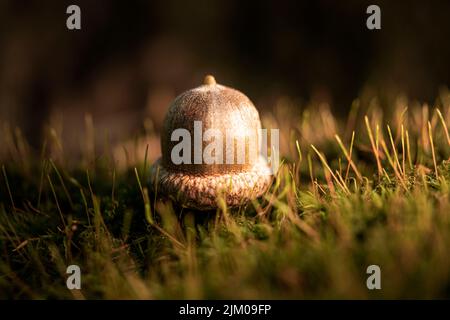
pixel 198 185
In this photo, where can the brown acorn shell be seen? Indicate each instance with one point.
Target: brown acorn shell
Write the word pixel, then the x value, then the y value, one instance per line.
pixel 198 185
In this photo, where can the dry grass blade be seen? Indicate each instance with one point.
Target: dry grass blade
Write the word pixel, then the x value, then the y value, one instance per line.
pixel 325 164
pixel 374 146
pixel 348 155
pixel 444 125
pixel 432 150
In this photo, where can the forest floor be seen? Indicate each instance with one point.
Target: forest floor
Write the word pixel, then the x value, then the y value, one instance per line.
pixel 370 189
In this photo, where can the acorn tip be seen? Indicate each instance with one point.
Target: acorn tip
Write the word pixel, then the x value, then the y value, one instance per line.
pixel 209 80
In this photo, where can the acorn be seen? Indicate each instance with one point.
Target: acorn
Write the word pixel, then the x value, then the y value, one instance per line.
pixel 210 144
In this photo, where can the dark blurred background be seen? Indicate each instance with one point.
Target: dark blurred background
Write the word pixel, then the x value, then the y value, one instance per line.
pixel 131 58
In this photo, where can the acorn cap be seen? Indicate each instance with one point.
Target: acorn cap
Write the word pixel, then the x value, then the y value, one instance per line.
pixel 197 184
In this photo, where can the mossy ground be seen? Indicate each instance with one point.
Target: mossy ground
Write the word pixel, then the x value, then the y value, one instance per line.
pixel 381 197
